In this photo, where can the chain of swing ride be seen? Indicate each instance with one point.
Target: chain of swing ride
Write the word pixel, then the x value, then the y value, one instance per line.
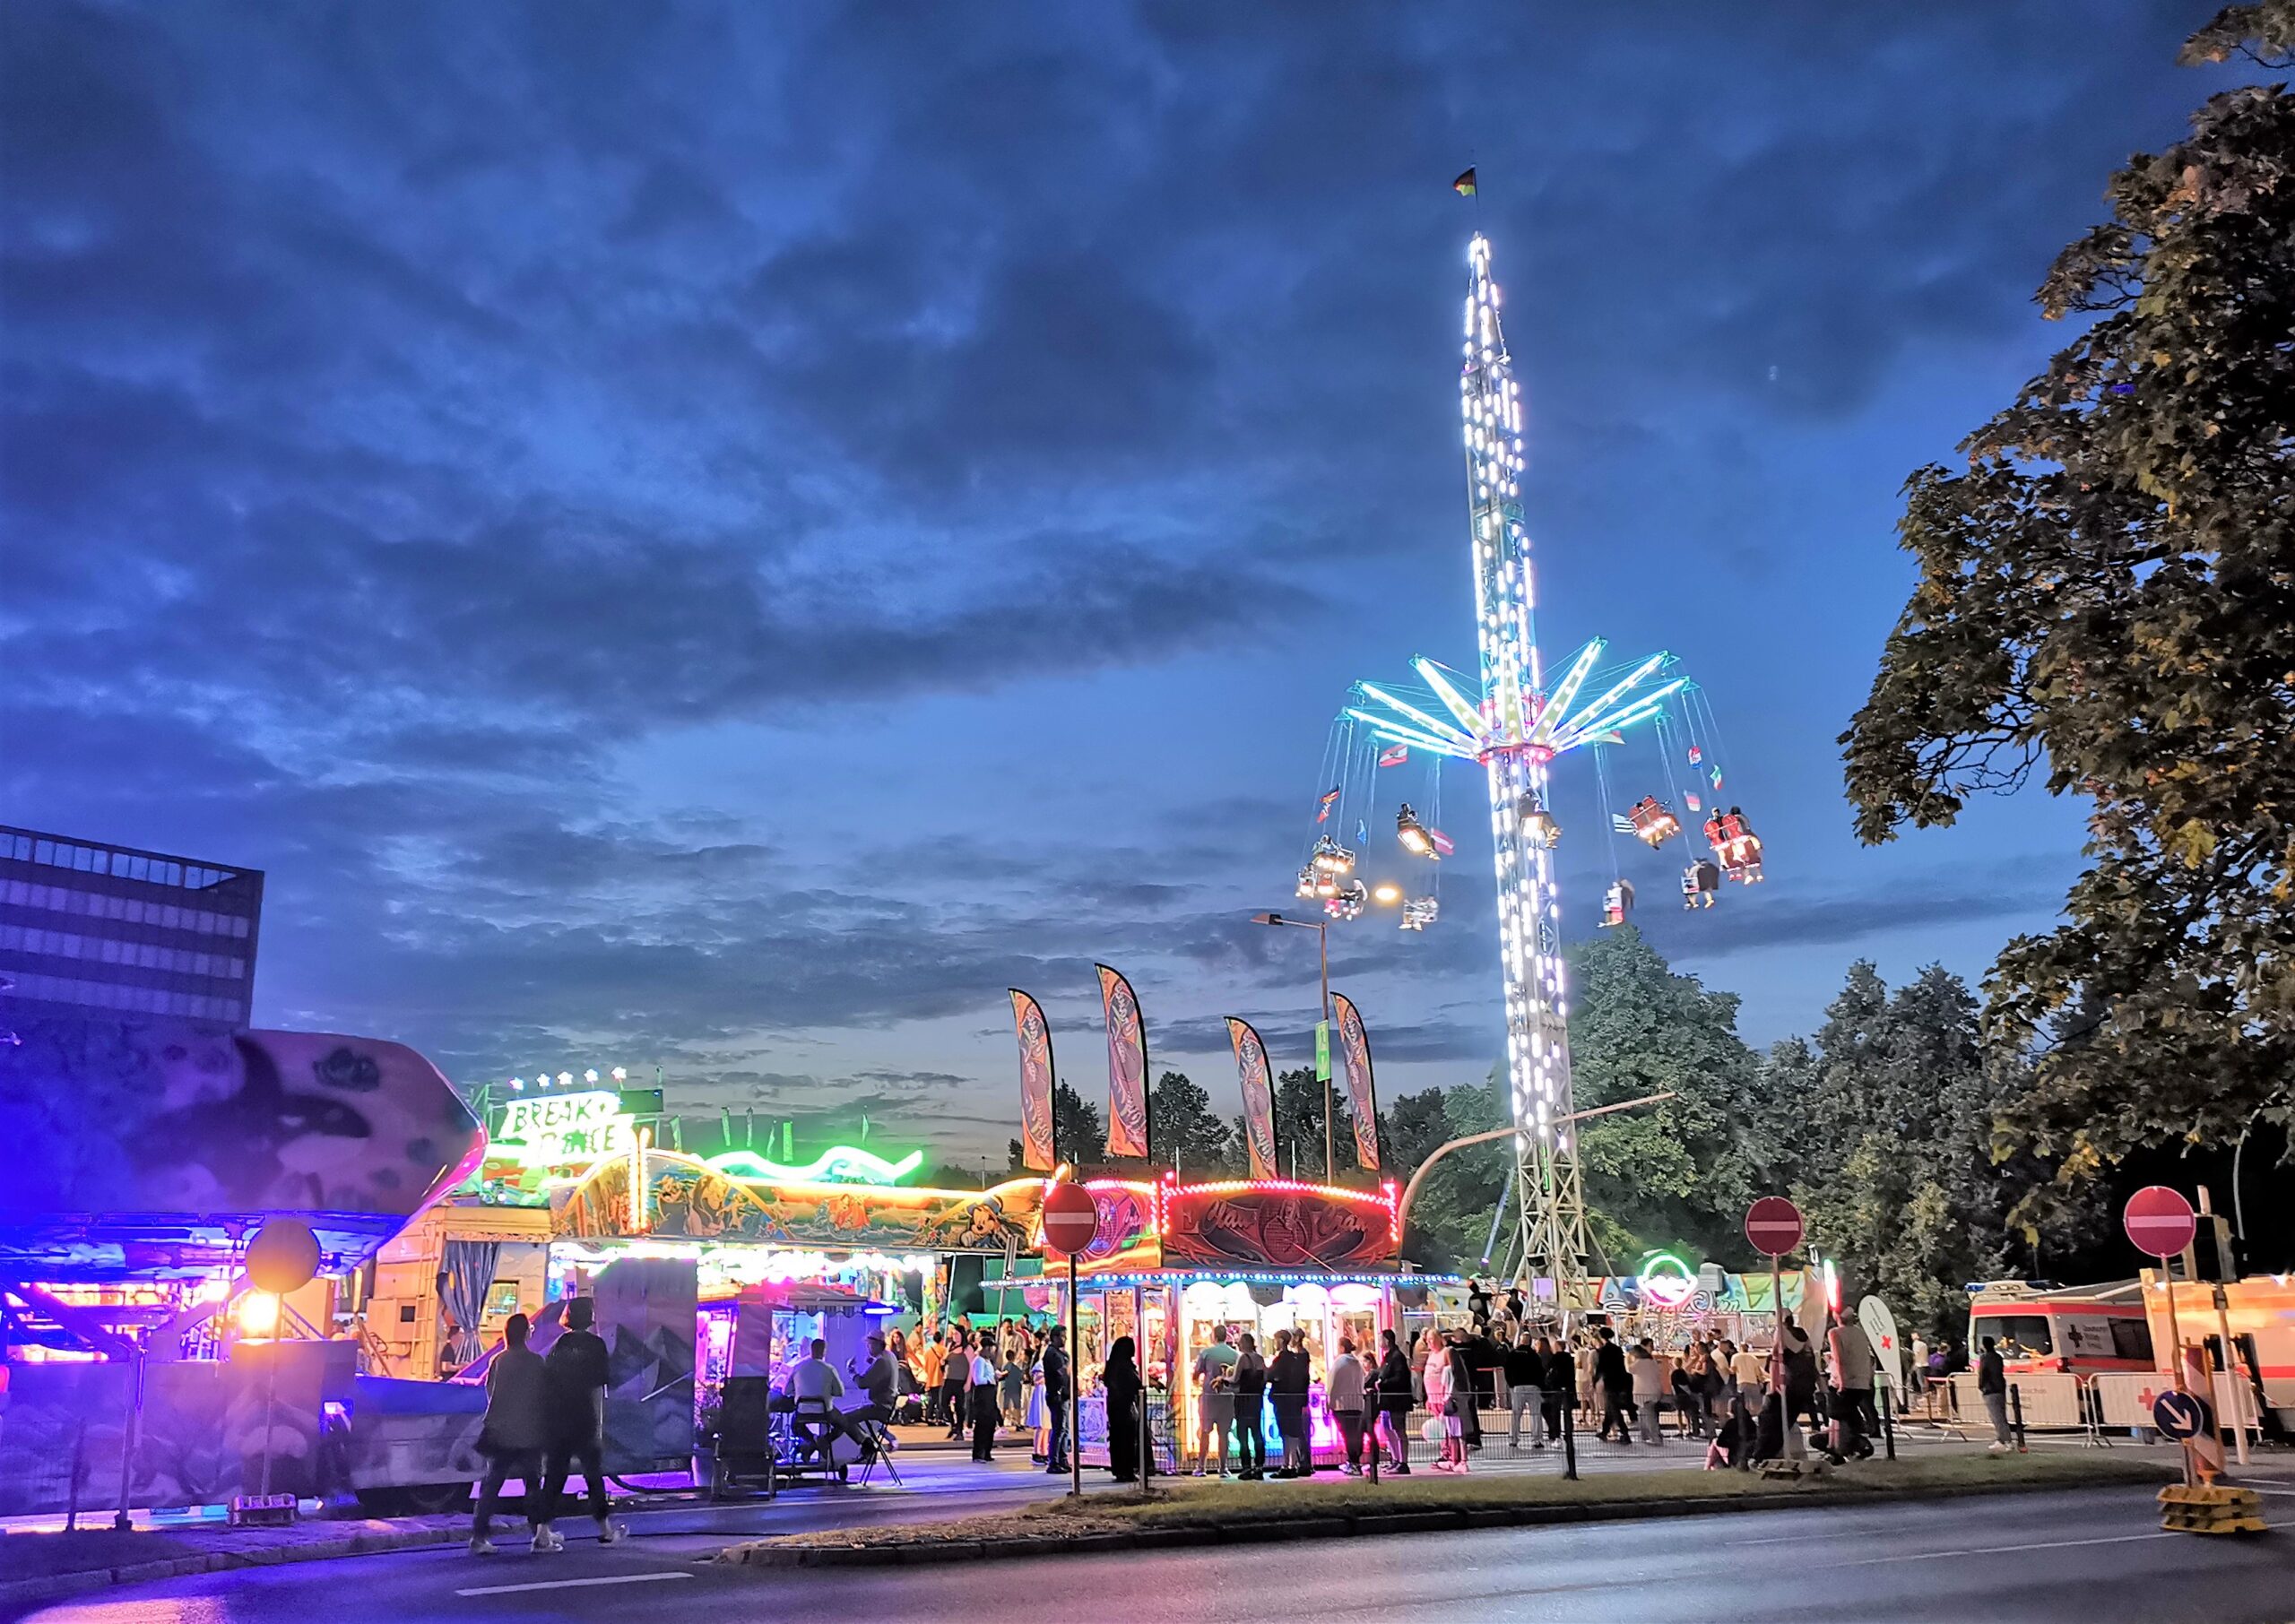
pixel 1350 765
pixel 1687 730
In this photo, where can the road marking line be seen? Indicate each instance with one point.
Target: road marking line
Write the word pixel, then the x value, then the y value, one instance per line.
pixel 1926 1556
pixel 618 1578
pixel 2259 1488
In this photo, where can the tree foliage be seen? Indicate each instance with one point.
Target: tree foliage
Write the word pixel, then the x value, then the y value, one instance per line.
pixel 2107 597
pixel 1184 1130
pixel 1676 1172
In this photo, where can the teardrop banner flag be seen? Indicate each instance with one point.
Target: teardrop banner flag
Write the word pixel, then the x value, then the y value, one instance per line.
pixel 1355 1054
pixel 1259 1098
pixel 1038 1147
pixel 1127 1066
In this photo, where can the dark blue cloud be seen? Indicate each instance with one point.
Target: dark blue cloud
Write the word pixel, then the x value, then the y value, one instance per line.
pixel 729 535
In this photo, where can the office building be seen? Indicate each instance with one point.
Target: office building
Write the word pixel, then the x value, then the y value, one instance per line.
pixel 89 929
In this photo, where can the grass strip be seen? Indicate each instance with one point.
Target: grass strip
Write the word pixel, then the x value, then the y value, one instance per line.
pixel 1189 1504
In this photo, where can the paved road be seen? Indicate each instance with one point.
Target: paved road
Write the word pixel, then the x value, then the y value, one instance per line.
pixel 2087 1557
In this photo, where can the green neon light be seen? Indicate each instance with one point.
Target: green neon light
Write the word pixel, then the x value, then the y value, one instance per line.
pixel 849 1162
pixel 1668 1289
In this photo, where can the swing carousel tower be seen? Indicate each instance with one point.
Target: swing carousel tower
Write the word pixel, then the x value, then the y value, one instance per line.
pixel 1515 729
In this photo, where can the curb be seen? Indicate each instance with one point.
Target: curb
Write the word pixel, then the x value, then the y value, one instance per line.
pixel 915 1554
pixel 50 1587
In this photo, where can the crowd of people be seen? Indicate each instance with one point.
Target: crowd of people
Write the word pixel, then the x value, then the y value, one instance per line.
pixel 984 1381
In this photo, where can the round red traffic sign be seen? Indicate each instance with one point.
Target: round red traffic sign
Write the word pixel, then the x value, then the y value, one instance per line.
pixel 1773 1226
pixel 1071 1218
pixel 2158 1221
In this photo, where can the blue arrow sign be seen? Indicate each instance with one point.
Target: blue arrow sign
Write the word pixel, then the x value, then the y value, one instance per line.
pixel 2180 1415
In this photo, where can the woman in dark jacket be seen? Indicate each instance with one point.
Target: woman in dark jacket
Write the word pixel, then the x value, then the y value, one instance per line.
pixel 1395 1398
pixel 1120 1378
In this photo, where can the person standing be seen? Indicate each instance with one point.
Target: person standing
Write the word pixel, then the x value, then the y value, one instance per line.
pixel 935 1365
pixel 955 1380
pixel 578 1372
pixel 1345 1393
pixel 1251 1411
pixel 1214 1397
pixel 1917 1378
pixel 1617 1384
pixel 982 1400
pixel 1125 1391
pixel 1650 1385
pixel 1014 1379
pixel 514 1436
pixel 1288 1376
pixel 1524 1365
pixel 1393 1391
pixel 1992 1385
pixel 1560 1382
pixel 1058 1374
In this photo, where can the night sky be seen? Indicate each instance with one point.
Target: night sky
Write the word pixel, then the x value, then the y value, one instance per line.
pixel 720 537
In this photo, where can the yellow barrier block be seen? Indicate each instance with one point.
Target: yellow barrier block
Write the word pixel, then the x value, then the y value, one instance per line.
pixel 2211 1508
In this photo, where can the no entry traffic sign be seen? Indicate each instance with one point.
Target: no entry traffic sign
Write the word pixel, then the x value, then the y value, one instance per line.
pixel 1071 1218
pixel 2158 1221
pixel 2179 1416
pixel 1773 1226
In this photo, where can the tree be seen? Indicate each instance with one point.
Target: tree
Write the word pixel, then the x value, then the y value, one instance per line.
pixel 1885 1125
pixel 1448 1221
pixel 1299 1126
pixel 1678 1171
pixel 1184 1130
pixel 2107 592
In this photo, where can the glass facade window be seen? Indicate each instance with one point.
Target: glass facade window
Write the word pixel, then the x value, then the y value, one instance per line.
pixel 86 927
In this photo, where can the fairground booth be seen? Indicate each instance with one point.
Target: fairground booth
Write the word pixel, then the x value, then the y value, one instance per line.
pixel 1176 1260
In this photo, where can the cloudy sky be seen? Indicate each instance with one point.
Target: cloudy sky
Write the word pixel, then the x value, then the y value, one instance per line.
pixel 722 536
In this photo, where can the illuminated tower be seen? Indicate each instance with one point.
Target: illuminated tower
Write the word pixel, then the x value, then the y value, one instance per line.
pixel 1515 732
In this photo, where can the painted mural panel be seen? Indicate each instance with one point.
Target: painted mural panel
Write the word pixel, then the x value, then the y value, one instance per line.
pixel 1275 1226
pixel 687 1200
pixel 142 1145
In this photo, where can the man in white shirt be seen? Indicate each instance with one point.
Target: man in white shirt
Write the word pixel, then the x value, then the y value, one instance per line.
pixel 816 1386
pixel 983 1399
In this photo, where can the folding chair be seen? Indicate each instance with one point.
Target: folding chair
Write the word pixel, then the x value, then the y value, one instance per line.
pixel 878 1454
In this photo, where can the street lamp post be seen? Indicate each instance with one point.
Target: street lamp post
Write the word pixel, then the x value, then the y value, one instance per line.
pixel 1323 955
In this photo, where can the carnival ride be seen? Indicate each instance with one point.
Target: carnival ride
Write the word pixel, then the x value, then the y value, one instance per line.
pixel 1514 723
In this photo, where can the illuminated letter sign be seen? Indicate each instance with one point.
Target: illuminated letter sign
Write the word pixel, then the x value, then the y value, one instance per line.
pixel 555 1130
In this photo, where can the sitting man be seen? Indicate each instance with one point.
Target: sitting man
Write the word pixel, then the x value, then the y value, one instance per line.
pixel 878 1380
pixel 814 1387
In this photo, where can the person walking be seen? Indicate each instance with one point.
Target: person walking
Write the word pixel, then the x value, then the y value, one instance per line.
pixel 1560 1385
pixel 1992 1385
pixel 1650 1385
pixel 1345 1393
pixel 1120 1380
pixel 1617 1384
pixel 1214 1398
pixel 1251 1413
pixel 514 1436
pixel 1288 1376
pixel 1450 1390
pixel 1057 1372
pixel 1393 1391
pixel 1525 1371
pixel 578 1372
pixel 1854 1365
